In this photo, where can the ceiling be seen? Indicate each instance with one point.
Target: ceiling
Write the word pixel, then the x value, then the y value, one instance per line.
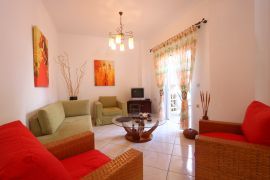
pixel 99 17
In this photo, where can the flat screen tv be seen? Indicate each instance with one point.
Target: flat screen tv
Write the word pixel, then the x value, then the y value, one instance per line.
pixel 137 93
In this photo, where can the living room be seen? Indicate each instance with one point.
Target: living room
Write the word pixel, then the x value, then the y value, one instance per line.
pixel 232 59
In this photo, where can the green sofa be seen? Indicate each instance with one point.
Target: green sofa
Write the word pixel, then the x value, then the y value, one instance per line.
pixel 106 108
pixel 60 120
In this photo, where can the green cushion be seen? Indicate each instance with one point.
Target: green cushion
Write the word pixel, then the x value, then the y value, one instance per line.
pixel 111 111
pixel 70 126
pixel 76 108
pixel 51 117
pixel 108 101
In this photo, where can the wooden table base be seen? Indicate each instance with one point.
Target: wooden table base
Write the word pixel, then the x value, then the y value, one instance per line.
pixel 139 135
pixel 140 140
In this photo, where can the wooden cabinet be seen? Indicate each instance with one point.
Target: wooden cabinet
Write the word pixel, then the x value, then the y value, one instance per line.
pixel 136 106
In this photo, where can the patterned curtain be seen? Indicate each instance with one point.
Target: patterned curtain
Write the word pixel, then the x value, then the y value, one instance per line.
pixel 161 70
pixel 183 48
pixel 186 59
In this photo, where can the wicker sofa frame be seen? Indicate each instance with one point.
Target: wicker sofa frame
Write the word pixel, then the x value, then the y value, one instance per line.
pixel 226 159
pixel 128 165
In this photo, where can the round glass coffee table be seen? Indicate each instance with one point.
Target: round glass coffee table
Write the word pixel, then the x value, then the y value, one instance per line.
pixel 138 129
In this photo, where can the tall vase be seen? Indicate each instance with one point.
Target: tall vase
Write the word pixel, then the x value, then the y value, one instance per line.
pixel 73 98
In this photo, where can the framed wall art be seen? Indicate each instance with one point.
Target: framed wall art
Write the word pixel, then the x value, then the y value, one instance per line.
pixel 41 64
pixel 104 73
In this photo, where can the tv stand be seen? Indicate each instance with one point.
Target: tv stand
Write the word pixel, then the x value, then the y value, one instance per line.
pixel 137 106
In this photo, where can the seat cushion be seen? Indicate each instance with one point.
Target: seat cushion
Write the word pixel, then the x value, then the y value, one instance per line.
pixel 84 163
pixel 51 117
pixel 108 101
pixel 111 111
pixel 256 125
pixel 228 136
pixel 70 126
pixel 22 156
pixel 76 108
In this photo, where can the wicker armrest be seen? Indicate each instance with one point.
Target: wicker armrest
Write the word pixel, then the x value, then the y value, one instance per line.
pixel 72 145
pixel 226 159
pixel 206 126
pixel 128 165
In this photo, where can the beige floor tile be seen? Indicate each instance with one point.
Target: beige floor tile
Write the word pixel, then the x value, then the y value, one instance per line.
pixel 181 140
pixel 160 147
pixel 121 140
pixel 101 143
pixel 157 160
pixel 104 136
pixel 175 176
pixel 167 138
pixel 184 151
pixel 140 146
pixel 150 173
pixel 113 150
pixel 182 165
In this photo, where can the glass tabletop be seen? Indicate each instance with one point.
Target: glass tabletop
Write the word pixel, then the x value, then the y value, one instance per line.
pixel 135 121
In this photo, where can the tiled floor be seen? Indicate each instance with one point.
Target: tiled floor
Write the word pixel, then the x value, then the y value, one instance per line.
pixel 169 156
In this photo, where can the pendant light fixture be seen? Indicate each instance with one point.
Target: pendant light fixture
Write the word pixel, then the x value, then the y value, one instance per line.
pixel 119 38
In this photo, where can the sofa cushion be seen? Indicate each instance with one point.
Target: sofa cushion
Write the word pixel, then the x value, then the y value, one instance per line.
pixel 111 111
pixel 108 101
pixel 228 136
pixel 76 108
pixel 34 125
pixel 256 125
pixel 84 163
pixel 70 126
pixel 51 117
pixel 22 156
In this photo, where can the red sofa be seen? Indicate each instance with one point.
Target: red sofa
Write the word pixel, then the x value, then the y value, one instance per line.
pixel 22 156
pixel 225 150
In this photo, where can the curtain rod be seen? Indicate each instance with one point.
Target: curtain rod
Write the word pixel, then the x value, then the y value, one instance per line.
pixel 198 25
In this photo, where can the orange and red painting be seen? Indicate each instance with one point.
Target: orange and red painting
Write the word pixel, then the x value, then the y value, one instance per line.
pixel 104 73
pixel 40 45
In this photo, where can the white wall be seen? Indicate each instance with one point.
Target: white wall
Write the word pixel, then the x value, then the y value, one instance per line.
pixel 232 58
pixel 82 48
pixel 262 29
pixel 225 59
pixel 18 95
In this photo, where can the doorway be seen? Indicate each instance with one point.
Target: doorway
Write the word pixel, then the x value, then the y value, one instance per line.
pixel 173 93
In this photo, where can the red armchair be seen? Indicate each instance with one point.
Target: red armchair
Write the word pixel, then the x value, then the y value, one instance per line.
pixel 232 150
pixel 22 156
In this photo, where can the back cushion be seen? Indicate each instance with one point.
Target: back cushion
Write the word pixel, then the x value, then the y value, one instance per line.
pixel 256 125
pixel 108 101
pixel 22 156
pixel 76 108
pixel 51 117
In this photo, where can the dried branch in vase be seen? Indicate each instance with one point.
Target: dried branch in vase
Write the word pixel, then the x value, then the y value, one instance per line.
pixel 205 100
pixel 63 61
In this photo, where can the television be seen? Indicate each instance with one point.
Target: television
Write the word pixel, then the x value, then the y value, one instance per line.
pixel 137 93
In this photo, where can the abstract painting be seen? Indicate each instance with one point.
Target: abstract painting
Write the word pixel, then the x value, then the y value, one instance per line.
pixel 40 46
pixel 104 73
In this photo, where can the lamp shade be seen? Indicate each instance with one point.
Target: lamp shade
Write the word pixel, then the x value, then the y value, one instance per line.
pixel 122 47
pixel 113 46
pixel 118 38
pixel 111 42
pixel 131 43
